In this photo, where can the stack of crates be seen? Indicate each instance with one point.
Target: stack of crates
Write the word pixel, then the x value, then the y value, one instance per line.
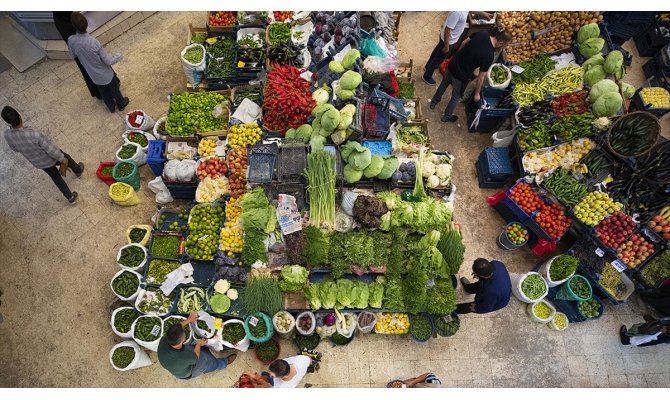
pixel 156 156
pixel 490 119
pixel 652 40
pixel 626 25
pixel 494 167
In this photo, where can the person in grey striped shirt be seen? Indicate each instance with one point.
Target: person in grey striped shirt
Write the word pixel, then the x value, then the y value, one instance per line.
pixel 40 151
pixel 97 63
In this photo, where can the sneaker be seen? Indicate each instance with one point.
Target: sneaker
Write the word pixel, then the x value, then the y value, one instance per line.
pixel 125 103
pixel 428 79
pixel 231 358
pixel 73 199
pixel 465 281
pixel 451 118
pixel 625 340
pixel 432 105
pixel 648 318
pixel 81 172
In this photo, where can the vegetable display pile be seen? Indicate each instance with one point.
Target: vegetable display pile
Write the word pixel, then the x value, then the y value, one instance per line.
pixel 392 323
pixel 526 198
pixel 632 135
pixel 573 126
pixel 267 351
pixel 542 310
pixel 254 94
pixel 516 233
pixel 534 69
pixel 655 166
pixel 279 32
pixel 596 162
pixel 282 15
pixel 656 97
pixel 199 38
pixel 287 99
pixel 533 286
pixel 203 239
pixel 194 55
pixel 568 189
pixel 107 171
pixel 137 234
pixel 262 294
pixel 556 82
pixel 213 168
pixel 251 51
pixel 498 74
pixel 615 229
pixel 610 280
pixel 123 356
pixel 540 112
pixel 127 151
pixel 307 342
pixel 221 18
pixel 639 195
pixel 536 137
pixel 560 320
pixel 192 111
pixel 144 326
pixel 569 104
pixel 237 164
pixel 154 301
pixel 657 270
pixel 580 287
pixel 126 284
pixel 191 299
pixel 258 219
pixel 635 250
pixel 233 333
pixel 221 61
pixel 553 221
pixel 411 135
pixel 132 256
pixel 123 320
pixel 293 278
pixel 406 90
pixel 564 155
pixel 452 248
pixel 139 138
pixel 594 207
pixel 121 190
pixel 563 267
pixel 420 327
pixel 174 320
pixel 165 246
pixel 321 178
pixel 304 323
pixel 589 308
pixel 446 328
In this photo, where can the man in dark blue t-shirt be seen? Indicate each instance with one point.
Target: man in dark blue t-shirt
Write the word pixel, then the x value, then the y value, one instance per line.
pixel 492 291
pixel 477 51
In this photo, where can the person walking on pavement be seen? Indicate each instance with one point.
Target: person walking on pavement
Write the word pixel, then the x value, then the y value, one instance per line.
pixel 97 63
pixel 649 333
pixel 492 289
pixel 451 31
pixel 40 151
pixel 477 51
pixel 186 361
pixel 289 372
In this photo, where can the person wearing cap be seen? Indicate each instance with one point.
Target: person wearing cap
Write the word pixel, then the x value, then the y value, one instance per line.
pixel 492 289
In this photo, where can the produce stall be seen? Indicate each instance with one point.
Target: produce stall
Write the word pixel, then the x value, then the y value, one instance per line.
pixel 292 191
pixel 594 170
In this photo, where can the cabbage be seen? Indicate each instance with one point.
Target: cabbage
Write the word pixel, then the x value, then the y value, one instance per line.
pixel 613 62
pixel 350 80
pixel 320 109
pixel 290 134
pixel 602 87
pixel 350 58
pixel 351 174
pixel 219 303
pixel 627 91
pixel 348 109
pixel 360 160
pixel 588 32
pixel 375 167
pixel 317 142
pixel 321 96
pixel 345 120
pixel 304 132
pixel 591 47
pixel 339 136
pixel 336 67
pixel 343 94
pixel 390 166
pixel 330 119
pixel 598 59
pixel 594 75
pixel 349 147
pixel 607 104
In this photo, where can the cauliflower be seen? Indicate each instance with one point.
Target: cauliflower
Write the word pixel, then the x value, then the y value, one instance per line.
pixel 221 286
pixel 433 181
pixel 443 171
pixel 232 294
pixel 433 158
pixel 428 169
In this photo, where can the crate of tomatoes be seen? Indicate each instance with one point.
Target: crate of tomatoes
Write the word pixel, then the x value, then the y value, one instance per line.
pixel 221 21
pixel 553 222
pixel 522 200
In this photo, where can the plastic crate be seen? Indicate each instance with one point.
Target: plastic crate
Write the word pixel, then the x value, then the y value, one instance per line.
pixel 182 242
pixel 156 156
pixel 378 147
pixel 485 181
pixel 296 190
pixel 292 162
pixel 486 124
pixel 203 272
pixel 372 119
pixel 261 167
pixel 263 148
pixel 652 40
pixel 171 215
pixel 396 106
pixel 497 162
pixel 493 97
pixel 182 190
pixel 637 104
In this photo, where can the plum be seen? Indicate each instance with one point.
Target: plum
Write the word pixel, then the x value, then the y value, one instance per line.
pixel 327 37
pixel 406 177
pixel 396 176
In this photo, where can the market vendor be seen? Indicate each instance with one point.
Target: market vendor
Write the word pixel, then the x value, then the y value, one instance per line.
pixel 289 372
pixel 649 333
pixel 477 51
pixel 186 361
pixel 492 289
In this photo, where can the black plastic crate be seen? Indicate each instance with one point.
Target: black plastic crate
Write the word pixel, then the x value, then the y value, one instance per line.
pixel 374 117
pixel 261 167
pixel 263 148
pixel 296 190
pixel 652 40
pixel 486 124
pixel 182 190
pixel 496 162
pixel 203 272
pixel 638 104
pixel 485 181
pixel 292 162
pixel 224 78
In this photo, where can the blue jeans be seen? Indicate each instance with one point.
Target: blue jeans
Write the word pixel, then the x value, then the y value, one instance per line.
pixel 458 88
pixel 208 363
pixel 437 57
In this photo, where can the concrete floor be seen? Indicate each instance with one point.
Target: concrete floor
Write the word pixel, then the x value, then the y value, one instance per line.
pixel 59 258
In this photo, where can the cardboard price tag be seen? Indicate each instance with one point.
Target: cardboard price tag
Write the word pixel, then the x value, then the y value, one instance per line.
pixel 139 119
pixel 517 69
pixel 155 330
pixel 619 265
pixel 253 321
pixel 600 252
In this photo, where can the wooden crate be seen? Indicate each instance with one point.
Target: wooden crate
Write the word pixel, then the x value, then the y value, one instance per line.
pixel 192 31
pixel 405 72
pixel 219 29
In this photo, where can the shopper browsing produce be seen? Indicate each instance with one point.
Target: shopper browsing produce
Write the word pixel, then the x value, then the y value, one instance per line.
pixel 649 333
pixel 451 31
pixel 40 151
pixel 250 379
pixel 289 372
pixel 476 51
pixel 492 290
pixel 97 63
pixel 186 361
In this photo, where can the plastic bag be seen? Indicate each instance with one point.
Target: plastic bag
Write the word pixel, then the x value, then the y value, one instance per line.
pixel 125 335
pixel 153 345
pixel 380 65
pixel 145 239
pixel 499 85
pixel 170 169
pixel 193 72
pixel 147 135
pixel 140 266
pixel 186 170
pixel 140 157
pixel 157 186
pixel 502 138
pixel 242 345
pixel 156 128
pixel 140 360
pixel 221 109
pixel 129 199
pixel 312 327
pixel 145 121
pixel 370 47
pixel 288 331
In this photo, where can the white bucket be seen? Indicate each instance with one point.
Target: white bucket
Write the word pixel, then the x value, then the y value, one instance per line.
pixel 141 358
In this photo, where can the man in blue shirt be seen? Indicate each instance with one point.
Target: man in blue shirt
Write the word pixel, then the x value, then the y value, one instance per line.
pixel 492 291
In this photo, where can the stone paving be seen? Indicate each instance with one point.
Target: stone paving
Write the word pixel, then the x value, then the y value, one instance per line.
pixel 58 258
